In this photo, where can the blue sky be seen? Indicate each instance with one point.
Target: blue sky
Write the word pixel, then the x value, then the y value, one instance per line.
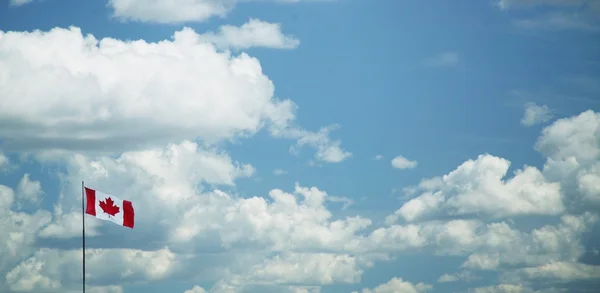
pixel 310 146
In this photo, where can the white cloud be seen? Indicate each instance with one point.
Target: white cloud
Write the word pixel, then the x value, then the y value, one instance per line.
pixel 195 289
pixel 445 59
pixel 512 288
pixel 401 162
pixel 572 148
pixel 476 187
pixel 4 161
pixel 98 93
pixel 506 4
pixel 397 285
pixel 290 241
pixel 68 225
pixel 51 270
pixel 30 190
pixel 327 150
pixel 166 186
pixel 175 11
pixel 279 172
pixel 502 288
pixel 488 246
pixel 326 269
pixel 558 21
pixel 254 33
pixel 564 271
pixel 378 157
pixel 535 114
pixel 18 229
pixel 19 2
pixel 564 14
pixel 460 276
pixel 347 202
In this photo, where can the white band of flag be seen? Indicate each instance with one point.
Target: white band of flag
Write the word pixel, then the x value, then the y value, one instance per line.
pixel 109 208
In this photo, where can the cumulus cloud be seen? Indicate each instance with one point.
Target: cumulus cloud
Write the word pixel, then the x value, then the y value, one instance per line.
pixel 506 4
pixel 19 2
pixel 562 271
pixel 50 270
pixel 477 187
pixel 3 161
pixel 176 203
pixel 99 93
pixel 572 147
pixel 185 190
pixel 460 276
pixel 558 21
pixel 291 240
pixel 176 10
pixel 279 172
pixel 535 114
pixel 254 33
pixel 488 246
pixel 563 14
pixel 397 285
pixel 195 289
pixel 29 190
pixel 18 229
pixel 328 150
pixel 502 288
pixel 401 162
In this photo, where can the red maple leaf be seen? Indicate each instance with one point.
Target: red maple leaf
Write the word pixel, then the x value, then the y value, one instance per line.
pixel 109 207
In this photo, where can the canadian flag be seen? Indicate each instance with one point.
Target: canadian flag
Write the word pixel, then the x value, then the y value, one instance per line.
pixel 109 208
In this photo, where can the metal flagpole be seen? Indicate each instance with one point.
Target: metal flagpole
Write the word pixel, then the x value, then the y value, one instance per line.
pixel 83 231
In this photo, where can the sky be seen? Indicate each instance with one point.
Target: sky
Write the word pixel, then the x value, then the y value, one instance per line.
pixel 301 146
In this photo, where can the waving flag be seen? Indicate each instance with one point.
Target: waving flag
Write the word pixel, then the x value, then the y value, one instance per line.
pixel 109 208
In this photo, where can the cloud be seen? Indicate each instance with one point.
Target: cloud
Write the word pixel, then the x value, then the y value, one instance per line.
pixel 195 289
pixel 279 172
pixel 254 33
pixel 4 161
pixel 535 114
pixel 68 225
pixel 558 21
pixel 290 268
pixel 460 276
pixel 18 229
pixel 502 288
pixel 572 149
pixel 506 4
pixel 175 11
pixel 562 271
pixel 401 162
pixel 445 59
pixel 378 157
pixel 49 270
pixel 476 187
pixel 397 285
pixel 30 191
pixel 328 150
pixel 169 193
pixel 563 14
pixel 488 246
pixel 99 93
pixel 346 201
pixel 291 241
pixel 19 2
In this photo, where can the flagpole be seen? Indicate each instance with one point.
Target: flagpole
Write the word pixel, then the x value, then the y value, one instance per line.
pixel 83 231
